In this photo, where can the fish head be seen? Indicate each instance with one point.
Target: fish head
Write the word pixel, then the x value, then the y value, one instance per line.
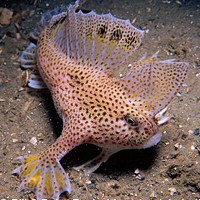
pixel 125 128
pixel 142 130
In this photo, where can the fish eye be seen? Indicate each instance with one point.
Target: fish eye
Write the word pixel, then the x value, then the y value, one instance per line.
pixel 130 120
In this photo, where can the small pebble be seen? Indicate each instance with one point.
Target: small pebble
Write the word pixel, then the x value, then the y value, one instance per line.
pixel 197 75
pixel 192 147
pixel 184 136
pixel 18 36
pixel 172 156
pixel 137 171
pixel 166 1
pixel 179 94
pixel 15 140
pixel 148 9
pixel 88 182
pixel 152 195
pixel 172 191
pixel 176 146
pixel 5 16
pixel 196 131
pixel 33 141
pixel 23 148
pixel 164 132
pixel 190 131
pixel 179 3
pixel 140 177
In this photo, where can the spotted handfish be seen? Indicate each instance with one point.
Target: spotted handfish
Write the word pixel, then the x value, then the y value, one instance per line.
pixel 76 55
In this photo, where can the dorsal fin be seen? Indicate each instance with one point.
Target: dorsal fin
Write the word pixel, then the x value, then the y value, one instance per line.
pixel 101 41
pixel 152 85
pixel 105 42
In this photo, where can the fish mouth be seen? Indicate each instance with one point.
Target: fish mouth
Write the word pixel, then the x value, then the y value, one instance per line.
pixel 154 140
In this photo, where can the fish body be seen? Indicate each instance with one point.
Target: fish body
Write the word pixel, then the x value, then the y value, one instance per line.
pixel 76 56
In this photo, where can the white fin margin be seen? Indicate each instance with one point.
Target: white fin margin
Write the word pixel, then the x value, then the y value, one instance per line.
pixel 27 59
pixel 36 82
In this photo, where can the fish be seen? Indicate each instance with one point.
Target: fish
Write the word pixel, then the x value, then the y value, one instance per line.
pixel 76 55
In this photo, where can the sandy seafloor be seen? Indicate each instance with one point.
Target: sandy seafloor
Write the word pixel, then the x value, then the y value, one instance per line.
pixel 171 170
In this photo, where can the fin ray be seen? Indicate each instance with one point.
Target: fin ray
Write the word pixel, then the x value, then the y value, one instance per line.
pixel 27 58
pixel 151 86
pixel 46 179
pixel 101 41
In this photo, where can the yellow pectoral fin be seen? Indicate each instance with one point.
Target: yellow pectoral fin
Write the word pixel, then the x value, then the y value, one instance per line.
pixel 48 187
pixel 31 158
pixel 35 180
pixel 30 164
pixel 44 176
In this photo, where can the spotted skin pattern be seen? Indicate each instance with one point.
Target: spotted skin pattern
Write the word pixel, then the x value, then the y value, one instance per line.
pixel 76 55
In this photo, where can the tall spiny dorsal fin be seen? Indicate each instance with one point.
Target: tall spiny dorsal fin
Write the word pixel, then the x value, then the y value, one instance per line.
pixel 152 85
pixel 107 43
pixel 100 41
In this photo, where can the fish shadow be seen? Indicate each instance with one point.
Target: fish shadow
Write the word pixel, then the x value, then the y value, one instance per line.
pixel 121 162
